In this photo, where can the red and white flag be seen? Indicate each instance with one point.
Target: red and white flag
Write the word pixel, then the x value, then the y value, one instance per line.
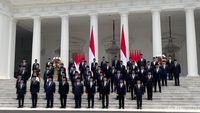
pixel 91 48
pixel 123 56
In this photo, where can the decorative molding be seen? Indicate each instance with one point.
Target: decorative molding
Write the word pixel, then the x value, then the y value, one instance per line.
pixel 54 8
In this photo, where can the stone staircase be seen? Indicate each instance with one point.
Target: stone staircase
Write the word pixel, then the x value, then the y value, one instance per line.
pixel 186 96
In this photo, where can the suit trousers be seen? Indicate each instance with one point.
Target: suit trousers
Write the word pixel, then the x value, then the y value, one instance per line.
pixel 34 99
pixel 105 98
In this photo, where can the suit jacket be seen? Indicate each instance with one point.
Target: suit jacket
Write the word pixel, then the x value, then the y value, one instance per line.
pixel 21 90
pixel 121 90
pixel 176 69
pixel 149 81
pixel 50 89
pixel 91 90
pixel 105 89
pixel 122 68
pixel 78 89
pixel 133 79
pixel 165 71
pixel 25 75
pixel 63 88
pixel 115 63
pixel 139 91
pixel 34 87
pixel 141 62
pixel 170 65
pixel 157 75
pixel 117 78
pixel 106 70
pixel 34 66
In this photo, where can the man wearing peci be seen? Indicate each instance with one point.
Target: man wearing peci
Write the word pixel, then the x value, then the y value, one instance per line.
pixel 34 89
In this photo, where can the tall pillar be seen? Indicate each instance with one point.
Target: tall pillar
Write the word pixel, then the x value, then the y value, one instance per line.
pixel 36 44
pixel 156 27
pixel 124 22
pixel 4 45
pixel 191 43
pixel 11 54
pixel 64 51
pixel 94 25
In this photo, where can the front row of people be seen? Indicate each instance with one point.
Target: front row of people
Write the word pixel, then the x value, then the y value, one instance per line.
pixel 78 90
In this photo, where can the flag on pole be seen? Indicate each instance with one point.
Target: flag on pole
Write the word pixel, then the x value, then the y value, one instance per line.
pixel 76 61
pixel 91 47
pixel 123 47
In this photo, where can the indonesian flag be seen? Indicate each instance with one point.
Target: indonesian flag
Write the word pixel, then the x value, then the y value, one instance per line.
pixel 123 47
pixel 76 61
pixel 91 48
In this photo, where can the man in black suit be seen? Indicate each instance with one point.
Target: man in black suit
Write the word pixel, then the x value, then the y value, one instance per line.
pixel 93 65
pixel 170 63
pixel 63 91
pixel 112 77
pixel 115 62
pixel 105 91
pixel 121 67
pixel 34 65
pixel 90 90
pixel 50 90
pixel 165 71
pixel 156 76
pixel 149 79
pixel 133 77
pixel 103 62
pixel 106 70
pixel 176 71
pixel 78 92
pixel 34 89
pixel 141 62
pixel 121 92
pixel 139 91
pixel 24 74
pixel 99 84
pixel 21 91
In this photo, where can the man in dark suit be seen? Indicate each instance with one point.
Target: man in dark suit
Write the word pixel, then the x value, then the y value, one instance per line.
pixel 90 90
pixel 24 74
pixel 21 91
pixel 142 61
pixel 121 92
pixel 34 89
pixel 99 84
pixel 105 91
pixel 176 71
pixel 157 76
pixel 121 67
pixel 118 76
pixel 170 63
pixel 112 77
pixel 103 62
pixel 93 65
pixel 106 70
pixel 139 91
pixel 34 65
pixel 115 62
pixel 50 90
pixel 149 79
pixel 63 91
pixel 78 92
pixel 165 71
pixel 133 77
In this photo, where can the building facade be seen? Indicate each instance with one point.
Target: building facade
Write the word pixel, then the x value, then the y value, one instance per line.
pixel 38 29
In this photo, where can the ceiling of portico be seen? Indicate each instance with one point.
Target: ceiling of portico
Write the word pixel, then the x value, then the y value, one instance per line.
pixel 44 2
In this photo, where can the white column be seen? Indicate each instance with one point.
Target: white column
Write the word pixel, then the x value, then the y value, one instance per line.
pixel 64 48
pixel 11 54
pixel 94 24
pixel 124 21
pixel 156 27
pixel 4 46
pixel 191 43
pixel 36 44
